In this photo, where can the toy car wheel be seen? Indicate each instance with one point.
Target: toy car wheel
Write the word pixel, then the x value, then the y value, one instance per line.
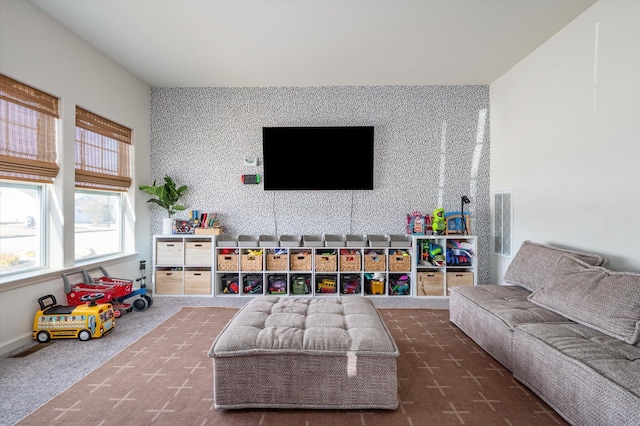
pixel 84 335
pixel 140 304
pixel 43 337
pixel 149 300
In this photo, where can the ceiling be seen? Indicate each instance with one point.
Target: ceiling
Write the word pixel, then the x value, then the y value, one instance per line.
pixel 271 43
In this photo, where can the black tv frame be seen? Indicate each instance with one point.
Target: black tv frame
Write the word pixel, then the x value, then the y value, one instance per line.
pixel 318 158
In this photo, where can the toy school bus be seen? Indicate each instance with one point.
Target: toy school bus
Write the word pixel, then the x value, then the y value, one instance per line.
pixel 83 322
pixel 327 286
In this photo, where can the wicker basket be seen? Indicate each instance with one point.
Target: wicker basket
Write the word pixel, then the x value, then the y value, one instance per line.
pixel 350 262
pixel 326 262
pixel 276 262
pixel 300 262
pixel 250 262
pixel 399 263
pixel 227 262
pixel 375 262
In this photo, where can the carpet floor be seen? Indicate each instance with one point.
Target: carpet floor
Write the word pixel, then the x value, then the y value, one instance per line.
pixel 165 378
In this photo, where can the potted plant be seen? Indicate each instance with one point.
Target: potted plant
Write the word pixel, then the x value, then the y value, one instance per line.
pixel 166 195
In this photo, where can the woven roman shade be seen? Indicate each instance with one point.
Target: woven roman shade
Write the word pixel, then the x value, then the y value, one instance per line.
pixel 27 133
pixel 102 153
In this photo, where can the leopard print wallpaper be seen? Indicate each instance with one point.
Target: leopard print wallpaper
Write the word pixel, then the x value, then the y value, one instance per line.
pixel 431 146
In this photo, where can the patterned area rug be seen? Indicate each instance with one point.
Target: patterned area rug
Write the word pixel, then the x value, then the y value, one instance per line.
pixel 165 378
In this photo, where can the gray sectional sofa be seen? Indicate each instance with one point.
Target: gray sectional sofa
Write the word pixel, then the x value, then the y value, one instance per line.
pixel 566 327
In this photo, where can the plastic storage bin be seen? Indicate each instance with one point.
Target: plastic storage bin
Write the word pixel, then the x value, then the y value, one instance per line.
pixel 226 241
pixel 355 241
pixel 400 240
pixel 378 241
pixel 312 241
pixel 268 241
pixel 290 241
pixel 331 240
pixel 247 241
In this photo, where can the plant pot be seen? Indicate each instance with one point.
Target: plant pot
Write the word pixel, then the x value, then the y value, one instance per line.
pixel 167 225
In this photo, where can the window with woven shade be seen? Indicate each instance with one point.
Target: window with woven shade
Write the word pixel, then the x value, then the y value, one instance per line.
pixel 28 119
pixel 102 153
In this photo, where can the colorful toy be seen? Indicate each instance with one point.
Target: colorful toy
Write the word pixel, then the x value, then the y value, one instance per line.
pixel 277 284
pixel 230 284
pixel 374 283
pixel 252 284
pixel 434 249
pixel 377 287
pixel 327 286
pixel 78 284
pixel 350 284
pixel 400 286
pixel 300 284
pixel 458 257
pixel 417 223
pixel 84 322
pixel 138 299
pixel 438 222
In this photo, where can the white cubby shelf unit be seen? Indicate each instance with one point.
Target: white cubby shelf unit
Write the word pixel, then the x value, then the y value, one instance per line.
pixel 312 265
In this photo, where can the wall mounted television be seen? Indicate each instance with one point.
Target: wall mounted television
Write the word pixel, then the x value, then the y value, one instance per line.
pixel 317 158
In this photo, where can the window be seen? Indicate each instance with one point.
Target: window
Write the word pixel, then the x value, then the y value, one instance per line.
pixel 98 224
pixel 503 220
pixel 102 174
pixel 21 228
pixel 28 161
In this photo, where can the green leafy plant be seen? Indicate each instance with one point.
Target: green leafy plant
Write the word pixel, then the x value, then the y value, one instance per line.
pixel 166 195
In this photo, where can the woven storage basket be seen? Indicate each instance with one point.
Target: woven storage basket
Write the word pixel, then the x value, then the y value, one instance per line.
pixel 250 262
pixel 350 262
pixel 300 262
pixel 326 262
pixel 399 263
pixel 227 262
pixel 276 262
pixel 375 262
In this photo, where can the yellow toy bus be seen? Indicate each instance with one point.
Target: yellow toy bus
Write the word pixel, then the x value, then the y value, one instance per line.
pixel 327 286
pixel 83 322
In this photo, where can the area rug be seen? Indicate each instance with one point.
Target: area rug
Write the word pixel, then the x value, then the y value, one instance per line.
pixel 166 378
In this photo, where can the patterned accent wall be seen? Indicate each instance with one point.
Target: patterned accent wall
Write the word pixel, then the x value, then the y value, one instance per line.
pixel 431 146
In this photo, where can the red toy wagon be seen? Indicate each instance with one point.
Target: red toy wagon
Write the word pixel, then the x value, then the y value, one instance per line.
pixel 79 286
pixel 100 277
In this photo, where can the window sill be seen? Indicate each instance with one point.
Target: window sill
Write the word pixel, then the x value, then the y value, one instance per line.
pixel 36 277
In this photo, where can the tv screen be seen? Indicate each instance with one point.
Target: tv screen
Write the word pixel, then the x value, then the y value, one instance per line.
pixel 317 158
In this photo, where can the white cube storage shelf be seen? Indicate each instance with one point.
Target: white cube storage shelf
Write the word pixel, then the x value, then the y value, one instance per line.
pixel 312 265
pixel 442 262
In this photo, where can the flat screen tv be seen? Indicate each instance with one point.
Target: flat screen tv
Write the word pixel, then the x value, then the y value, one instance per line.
pixel 317 158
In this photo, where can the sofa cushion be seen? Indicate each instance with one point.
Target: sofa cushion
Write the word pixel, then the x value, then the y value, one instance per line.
pixel 587 376
pixel 594 296
pixel 509 303
pixel 489 314
pixel 533 263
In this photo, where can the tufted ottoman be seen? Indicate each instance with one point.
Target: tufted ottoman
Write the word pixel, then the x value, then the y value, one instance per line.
pixel 321 353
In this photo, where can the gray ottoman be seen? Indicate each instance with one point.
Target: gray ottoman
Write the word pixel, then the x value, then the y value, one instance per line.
pixel 319 353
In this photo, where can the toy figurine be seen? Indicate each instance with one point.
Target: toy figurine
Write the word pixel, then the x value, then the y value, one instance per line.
pixel 438 223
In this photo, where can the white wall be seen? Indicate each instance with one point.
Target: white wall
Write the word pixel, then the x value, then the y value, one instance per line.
pixel 38 51
pixel 565 137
